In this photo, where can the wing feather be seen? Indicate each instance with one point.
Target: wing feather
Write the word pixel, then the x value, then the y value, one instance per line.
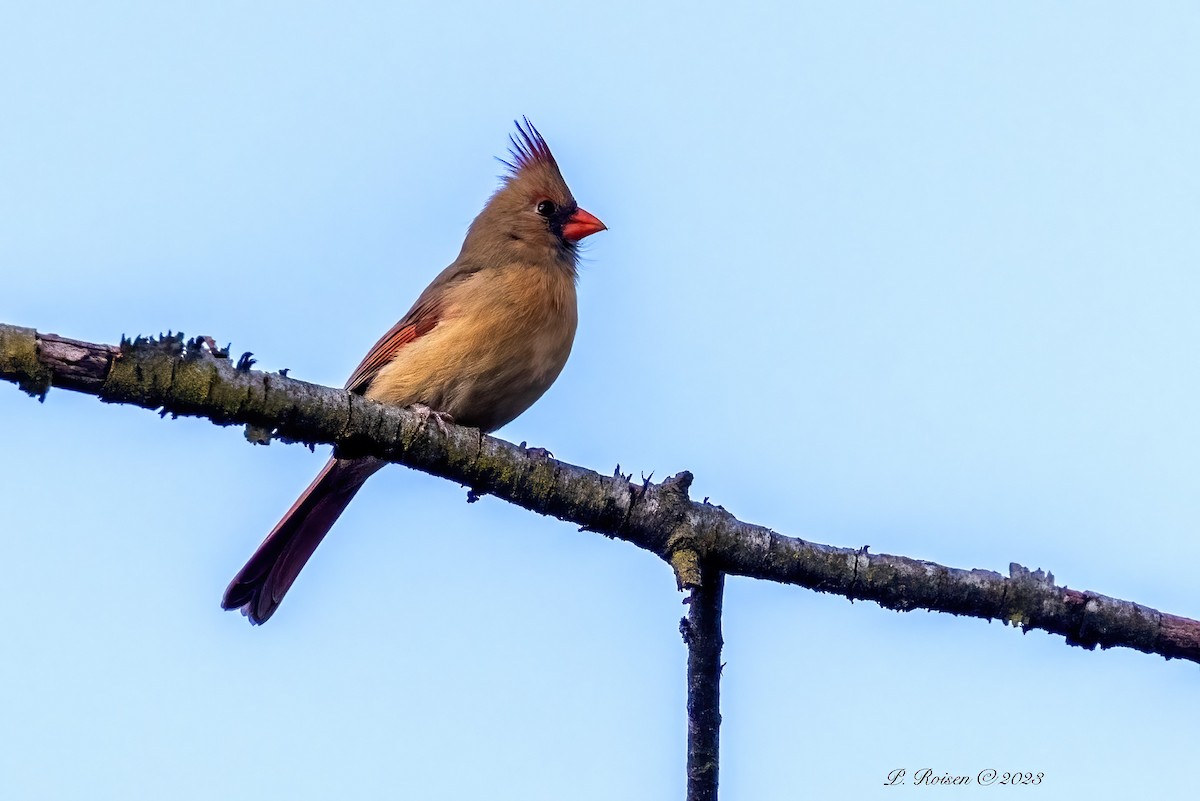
pixel 420 321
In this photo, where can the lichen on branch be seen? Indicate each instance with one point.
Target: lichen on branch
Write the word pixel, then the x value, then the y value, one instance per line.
pixel 192 377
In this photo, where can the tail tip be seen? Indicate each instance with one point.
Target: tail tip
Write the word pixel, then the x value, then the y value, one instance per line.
pixel 247 600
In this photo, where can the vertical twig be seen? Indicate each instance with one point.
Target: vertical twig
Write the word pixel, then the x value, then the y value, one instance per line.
pixel 701 631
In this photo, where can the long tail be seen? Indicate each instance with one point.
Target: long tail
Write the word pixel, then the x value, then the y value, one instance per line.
pixel 259 587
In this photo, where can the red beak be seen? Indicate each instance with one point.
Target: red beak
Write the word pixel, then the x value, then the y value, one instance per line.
pixel 581 224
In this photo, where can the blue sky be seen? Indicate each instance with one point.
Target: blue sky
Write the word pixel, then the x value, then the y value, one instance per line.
pixel 918 277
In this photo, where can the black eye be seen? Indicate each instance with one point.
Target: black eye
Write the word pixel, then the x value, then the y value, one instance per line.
pixel 546 208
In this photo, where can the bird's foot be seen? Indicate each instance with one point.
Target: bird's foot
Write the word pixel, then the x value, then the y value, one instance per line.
pixel 442 420
pixel 540 453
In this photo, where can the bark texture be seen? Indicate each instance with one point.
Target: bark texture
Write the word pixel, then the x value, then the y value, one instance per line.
pixel 701 631
pixel 178 377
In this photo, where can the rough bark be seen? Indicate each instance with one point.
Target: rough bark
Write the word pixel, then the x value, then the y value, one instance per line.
pixel 701 631
pixel 176 377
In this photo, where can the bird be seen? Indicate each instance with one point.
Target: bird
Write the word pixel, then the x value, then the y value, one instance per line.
pixel 486 339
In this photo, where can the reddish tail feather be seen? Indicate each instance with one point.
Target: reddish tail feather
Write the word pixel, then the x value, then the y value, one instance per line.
pixel 259 587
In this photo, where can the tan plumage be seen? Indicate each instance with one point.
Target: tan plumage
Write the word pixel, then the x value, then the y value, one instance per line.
pixel 484 340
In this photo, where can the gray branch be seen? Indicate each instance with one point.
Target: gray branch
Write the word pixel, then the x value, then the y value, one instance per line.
pixel 193 378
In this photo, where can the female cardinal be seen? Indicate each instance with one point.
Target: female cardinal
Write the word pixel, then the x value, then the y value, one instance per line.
pixel 480 345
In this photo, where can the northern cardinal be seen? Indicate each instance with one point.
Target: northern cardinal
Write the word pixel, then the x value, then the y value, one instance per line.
pixel 484 340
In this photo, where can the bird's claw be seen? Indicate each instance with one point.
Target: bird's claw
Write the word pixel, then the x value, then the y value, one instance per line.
pixel 442 420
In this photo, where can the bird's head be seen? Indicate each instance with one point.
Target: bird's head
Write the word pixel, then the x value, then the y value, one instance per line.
pixel 534 212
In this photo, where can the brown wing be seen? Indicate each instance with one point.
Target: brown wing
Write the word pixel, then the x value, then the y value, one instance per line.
pixel 418 322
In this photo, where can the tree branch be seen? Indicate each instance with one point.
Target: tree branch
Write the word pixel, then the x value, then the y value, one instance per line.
pixel 193 378
pixel 701 630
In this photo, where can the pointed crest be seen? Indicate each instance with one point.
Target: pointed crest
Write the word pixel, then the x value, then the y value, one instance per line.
pixel 528 148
